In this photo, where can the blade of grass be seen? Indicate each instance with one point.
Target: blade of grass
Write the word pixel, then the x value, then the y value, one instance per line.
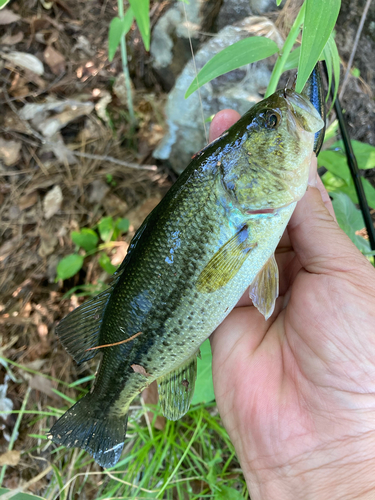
pixel 288 45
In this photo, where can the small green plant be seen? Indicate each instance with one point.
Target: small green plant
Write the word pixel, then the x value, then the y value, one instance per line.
pixel 339 183
pixel 119 27
pixel 316 19
pixel 87 243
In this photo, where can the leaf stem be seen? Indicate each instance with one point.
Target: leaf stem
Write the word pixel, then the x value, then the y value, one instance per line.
pixel 283 56
pixel 125 68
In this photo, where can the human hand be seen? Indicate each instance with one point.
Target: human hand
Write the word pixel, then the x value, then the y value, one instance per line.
pixel 296 393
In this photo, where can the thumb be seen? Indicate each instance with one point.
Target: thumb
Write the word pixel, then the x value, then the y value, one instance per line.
pixel 321 246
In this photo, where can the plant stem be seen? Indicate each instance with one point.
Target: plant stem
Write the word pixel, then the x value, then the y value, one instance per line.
pixel 125 68
pixel 288 45
pixel 15 431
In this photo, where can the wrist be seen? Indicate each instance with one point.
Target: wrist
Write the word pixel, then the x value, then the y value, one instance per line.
pixel 342 470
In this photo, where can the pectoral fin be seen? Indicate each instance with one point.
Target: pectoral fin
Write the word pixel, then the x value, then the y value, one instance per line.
pixel 264 290
pixel 176 389
pixel 226 262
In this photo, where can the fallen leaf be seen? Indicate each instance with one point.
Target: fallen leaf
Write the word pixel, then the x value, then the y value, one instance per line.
pixel 47 245
pixel 12 39
pixel 55 60
pixel 25 60
pixel 52 202
pixel 59 149
pixel 101 106
pixel 28 200
pixel 42 384
pixel 52 125
pixel 9 151
pixel 140 369
pixel 150 396
pixel 98 190
pixel 7 16
pixel 19 86
pixel 11 458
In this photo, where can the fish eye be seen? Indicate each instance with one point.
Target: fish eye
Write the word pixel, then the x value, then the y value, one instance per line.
pixel 272 119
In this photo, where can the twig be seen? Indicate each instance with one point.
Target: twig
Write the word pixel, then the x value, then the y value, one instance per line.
pixel 115 160
pixel 354 49
pixel 116 343
pixel 47 142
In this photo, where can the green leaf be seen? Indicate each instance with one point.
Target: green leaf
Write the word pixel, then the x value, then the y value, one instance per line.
pixel 227 493
pixel 334 183
pixel 355 72
pixel 332 131
pixel 336 163
pixel 278 2
pixel 292 61
pixel 350 219
pixel 320 19
pixel 122 225
pixel 239 54
pixel 204 387
pixel 117 29
pixel 20 496
pixel 69 266
pixel 141 10
pixel 86 238
pixel 105 263
pixel 106 227
pixel 331 54
pixel 364 153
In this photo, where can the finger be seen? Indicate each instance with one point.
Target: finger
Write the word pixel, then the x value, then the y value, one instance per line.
pixel 321 246
pixel 222 121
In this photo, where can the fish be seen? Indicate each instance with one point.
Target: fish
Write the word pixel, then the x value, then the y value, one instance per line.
pixel 313 91
pixel 210 238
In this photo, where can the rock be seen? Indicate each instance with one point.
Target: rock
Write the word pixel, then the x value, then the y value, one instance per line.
pixel 238 90
pixel 233 11
pixel 170 45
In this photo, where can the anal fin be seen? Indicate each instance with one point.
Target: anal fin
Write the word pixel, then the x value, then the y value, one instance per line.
pixel 264 290
pixel 176 389
pixel 80 329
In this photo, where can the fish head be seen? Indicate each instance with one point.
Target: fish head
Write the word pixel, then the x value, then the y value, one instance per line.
pixel 275 142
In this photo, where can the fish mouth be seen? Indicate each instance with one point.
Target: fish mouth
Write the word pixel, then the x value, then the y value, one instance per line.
pixel 261 211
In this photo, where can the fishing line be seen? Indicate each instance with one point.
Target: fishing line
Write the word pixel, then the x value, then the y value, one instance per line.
pixel 196 72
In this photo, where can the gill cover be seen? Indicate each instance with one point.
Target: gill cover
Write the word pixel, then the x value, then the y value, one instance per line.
pixel 304 112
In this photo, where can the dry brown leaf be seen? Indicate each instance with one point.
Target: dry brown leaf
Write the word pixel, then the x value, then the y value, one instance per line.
pixel 7 16
pixel 24 60
pixel 28 200
pixel 52 202
pixel 42 384
pixel 19 86
pixel 150 397
pixel 11 458
pixel 55 60
pixel 141 370
pixel 12 39
pixel 10 151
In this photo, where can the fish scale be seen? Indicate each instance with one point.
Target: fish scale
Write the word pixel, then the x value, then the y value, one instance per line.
pixel 213 235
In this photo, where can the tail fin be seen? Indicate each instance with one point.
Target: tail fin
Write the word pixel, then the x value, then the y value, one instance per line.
pixel 85 426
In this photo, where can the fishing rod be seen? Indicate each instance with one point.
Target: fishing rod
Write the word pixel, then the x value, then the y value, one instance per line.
pixel 353 165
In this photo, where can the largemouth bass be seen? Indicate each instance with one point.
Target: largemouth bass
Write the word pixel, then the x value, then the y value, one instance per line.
pixel 213 235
